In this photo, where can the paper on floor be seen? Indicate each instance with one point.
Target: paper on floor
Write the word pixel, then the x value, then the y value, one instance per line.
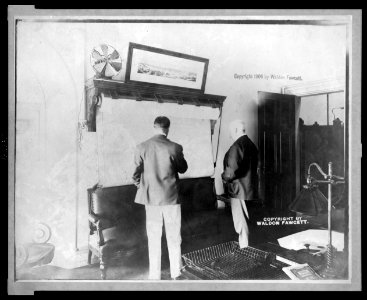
pixel 316 238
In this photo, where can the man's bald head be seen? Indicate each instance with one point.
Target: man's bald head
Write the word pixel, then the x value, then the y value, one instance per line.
pixel 237 128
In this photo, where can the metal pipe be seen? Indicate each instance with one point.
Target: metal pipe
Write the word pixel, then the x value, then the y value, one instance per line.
pixel 319 94
pixel 318 181
pixel 330 180
pixel 327 109
pixel 329 211
pixel 329 247
pixel 318 167
pixel 338 177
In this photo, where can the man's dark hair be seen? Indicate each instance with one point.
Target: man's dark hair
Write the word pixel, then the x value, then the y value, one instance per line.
pixel 162 122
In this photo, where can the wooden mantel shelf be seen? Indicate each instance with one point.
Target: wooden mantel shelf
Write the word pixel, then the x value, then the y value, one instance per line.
pixel 114 89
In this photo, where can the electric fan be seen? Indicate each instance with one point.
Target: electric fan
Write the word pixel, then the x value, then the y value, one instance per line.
pixel 105 60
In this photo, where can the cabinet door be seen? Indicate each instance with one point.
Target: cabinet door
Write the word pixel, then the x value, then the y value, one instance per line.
pixel 279 159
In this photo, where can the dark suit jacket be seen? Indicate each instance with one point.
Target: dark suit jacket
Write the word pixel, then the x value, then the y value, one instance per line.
pixel 157 164
pixel 240 169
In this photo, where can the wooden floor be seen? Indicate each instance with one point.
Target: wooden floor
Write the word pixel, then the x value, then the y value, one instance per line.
pixel 136 268
pixel 129 268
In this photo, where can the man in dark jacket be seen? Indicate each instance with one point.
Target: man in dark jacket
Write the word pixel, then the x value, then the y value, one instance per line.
pixel 157 164
pixel 240 177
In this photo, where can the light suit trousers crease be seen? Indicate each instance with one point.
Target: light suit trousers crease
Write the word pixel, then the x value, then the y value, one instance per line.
pixel 239 210
pixel 171 216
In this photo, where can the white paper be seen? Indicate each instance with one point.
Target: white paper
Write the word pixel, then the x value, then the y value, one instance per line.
pixel 317 239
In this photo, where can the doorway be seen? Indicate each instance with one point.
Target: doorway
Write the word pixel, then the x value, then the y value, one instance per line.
pixel 321 133
pixel 293 132
pixel 278 143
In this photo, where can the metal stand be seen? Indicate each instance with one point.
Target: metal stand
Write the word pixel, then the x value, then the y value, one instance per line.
pixel 329 271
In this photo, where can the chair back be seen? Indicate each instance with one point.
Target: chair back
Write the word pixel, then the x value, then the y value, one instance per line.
pixel 116 204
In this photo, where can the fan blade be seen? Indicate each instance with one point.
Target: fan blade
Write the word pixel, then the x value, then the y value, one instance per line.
pixel 99 67
pixel 96 55
pixel 114 55
pixel 116 61
pixel 104 70
pixel 116 65
pixel 110 71
pixel 104 49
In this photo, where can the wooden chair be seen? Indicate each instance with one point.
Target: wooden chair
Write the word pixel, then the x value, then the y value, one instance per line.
pixel 117 224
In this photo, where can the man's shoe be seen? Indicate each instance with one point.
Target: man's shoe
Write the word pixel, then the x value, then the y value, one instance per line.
pixel 180 277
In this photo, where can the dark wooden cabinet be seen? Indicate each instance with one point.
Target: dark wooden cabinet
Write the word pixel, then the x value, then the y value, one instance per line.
pixel 278 116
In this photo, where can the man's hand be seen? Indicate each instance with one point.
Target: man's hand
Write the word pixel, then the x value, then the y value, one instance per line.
pixel 139 167
pixel 223 178
pixel 229 177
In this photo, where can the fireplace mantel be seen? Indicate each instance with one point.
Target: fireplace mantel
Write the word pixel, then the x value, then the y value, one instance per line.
pixel 114 89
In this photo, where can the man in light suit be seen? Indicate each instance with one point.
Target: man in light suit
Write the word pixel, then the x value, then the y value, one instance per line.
pixel 157 164
pixel 240 178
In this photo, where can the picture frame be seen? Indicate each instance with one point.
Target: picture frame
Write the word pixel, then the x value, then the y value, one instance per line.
pixel 159 67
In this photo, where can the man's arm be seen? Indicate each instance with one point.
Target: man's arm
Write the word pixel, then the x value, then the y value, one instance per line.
pixel 180 161
pixel 231 164
pixel 139 167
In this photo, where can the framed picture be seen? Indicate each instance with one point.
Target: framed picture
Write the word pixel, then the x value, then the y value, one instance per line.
pixel 157 66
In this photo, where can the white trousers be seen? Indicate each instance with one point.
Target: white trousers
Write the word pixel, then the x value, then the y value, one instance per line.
pixel 238 208
pixel 171 216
